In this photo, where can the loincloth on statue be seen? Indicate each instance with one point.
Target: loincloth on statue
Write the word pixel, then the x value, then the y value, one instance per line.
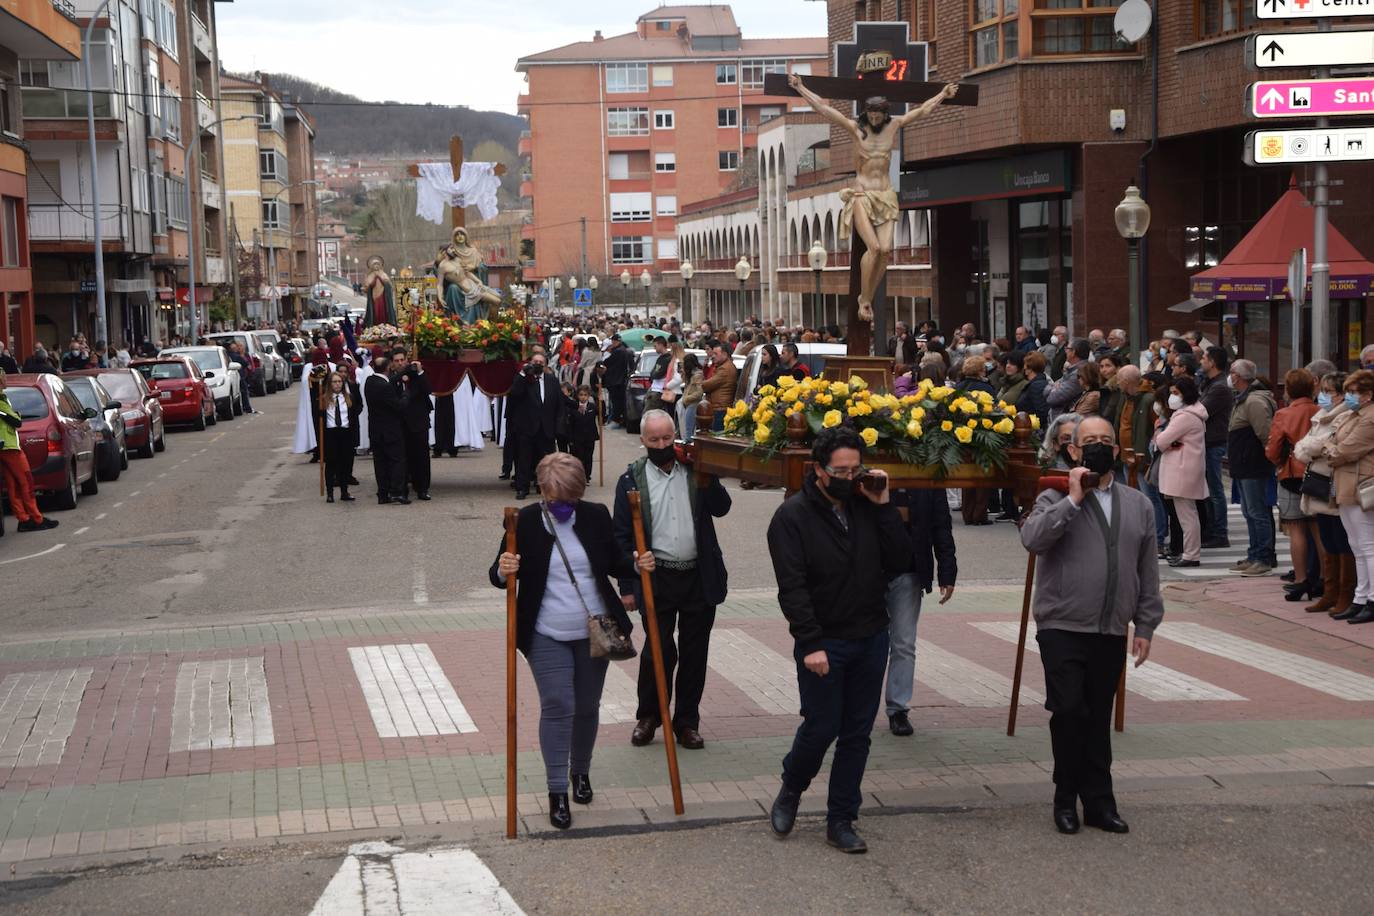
pixel 879 206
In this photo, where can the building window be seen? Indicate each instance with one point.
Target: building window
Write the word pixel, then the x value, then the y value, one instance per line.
pixel 636 207
pixel 663 120
pixel 666 205
pixel 729 160
pixel 753 72
pixel 620 166
pixel 1201 246
pixel 177 213
pixel 272 165
pixel 727 117
pixel 271 214
pixel 1218 17
pixel 1073 27
pixel 56 89
pixel 9 226
pixel 663 76
pixel 627 122
pixel 995 30
pixel 667 249
pixel 665 162
pixel 663 25
pixel 627 78
pixel 270 115
pixel 635 250
pixel 6 115
pixel 726 75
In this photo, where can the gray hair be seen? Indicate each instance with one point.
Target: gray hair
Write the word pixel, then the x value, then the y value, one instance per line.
pixel 1049 448
pixel 1366 351
pixel 1320 368
pixel 1244 369
pixel 656 414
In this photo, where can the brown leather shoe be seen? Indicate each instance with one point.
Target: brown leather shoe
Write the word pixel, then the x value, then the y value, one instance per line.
pixel 644 731
pixel 690 738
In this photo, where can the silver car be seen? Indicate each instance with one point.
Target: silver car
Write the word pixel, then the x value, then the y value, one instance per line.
pixel 270 341
pixel 262 377
pixel 221 374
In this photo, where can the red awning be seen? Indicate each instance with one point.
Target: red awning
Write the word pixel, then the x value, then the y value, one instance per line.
pixel 1257 268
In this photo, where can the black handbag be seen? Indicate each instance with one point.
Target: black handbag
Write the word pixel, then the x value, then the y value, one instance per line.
pixel 1317 486
pixel 604 636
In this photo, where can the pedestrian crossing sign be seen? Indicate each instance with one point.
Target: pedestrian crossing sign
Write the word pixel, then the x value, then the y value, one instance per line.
pixel 582 298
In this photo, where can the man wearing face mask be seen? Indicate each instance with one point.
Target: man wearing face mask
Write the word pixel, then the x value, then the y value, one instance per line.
pixel 689 580
pixel 1247 433
pixel 835 545
pixel 532 409
pixel 1096 573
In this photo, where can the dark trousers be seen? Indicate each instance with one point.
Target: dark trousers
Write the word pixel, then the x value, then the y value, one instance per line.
pixel 338 458
pixel 838 708
pixel 616 393
pixel 417 460
pixel 1081 674
pixel 974 506
pixel 529 451
pixel 389 464
pixel 1332 533
pixel 680 605
pixel 443 425
pixel 583 452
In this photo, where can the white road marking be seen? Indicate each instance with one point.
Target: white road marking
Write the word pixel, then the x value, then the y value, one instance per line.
pixel 407 692
pixel 217 438
pixel 38 715
pixel 1341 683
pixel 33 556
pixel 1151 681
pixel 81 531
pixel 162 475
pixel 135 493
pixel 100 517
pixel 965 682
pixel 378 879
pixel 417 588
pixel 117 505
pixel 767 678
pixel 221 703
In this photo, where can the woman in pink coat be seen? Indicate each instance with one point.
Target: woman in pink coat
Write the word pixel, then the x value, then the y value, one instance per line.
pixel 1183 465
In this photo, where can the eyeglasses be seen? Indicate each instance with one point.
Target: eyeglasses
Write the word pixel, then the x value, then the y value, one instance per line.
pixel 847 473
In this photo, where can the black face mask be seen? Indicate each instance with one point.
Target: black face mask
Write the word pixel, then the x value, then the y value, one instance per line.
pixel 842 490
pixel 661 456
pixel 1067 458
pixel 1099 457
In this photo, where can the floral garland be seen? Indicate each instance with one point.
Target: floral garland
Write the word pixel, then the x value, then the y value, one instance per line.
pixel 933 426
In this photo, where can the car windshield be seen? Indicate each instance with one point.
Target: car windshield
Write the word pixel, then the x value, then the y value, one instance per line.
pixel 121 386
pixel 85 392
pixel 206 360
pixel 232 339
pixel 155 371
pixel 29 402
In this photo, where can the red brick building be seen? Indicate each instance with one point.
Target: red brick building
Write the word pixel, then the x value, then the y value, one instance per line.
pixel 625 130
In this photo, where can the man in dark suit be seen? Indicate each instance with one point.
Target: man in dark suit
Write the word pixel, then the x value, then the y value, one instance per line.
pixel 414 388
pixel 615 371
pixel 532 410
pixel 386 433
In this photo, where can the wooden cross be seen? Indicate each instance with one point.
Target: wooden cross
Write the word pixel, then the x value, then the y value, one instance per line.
pixel 455 158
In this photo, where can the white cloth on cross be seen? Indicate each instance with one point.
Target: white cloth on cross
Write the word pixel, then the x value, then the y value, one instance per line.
pixel 475 187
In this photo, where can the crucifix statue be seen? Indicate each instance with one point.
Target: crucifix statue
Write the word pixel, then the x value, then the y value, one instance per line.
pixel 455 158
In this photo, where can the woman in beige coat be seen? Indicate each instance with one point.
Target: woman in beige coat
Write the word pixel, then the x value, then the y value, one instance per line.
pixel 1351 453
pixel 1338 563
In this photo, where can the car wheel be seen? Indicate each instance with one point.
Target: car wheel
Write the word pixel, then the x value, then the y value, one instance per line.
pixel 238 407
pixel 124 458
pixel 66 500
pixel 92 486
pixel 107 466
pixel 146 450
pixel 161 444
pixel 213 418
pixel 260 390
pixel 200 421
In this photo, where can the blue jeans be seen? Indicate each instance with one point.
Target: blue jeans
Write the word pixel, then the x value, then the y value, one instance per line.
pixel 1259 519
pixel 838 709
pixel 1161 513
pixel 1216 496
pixel 904 609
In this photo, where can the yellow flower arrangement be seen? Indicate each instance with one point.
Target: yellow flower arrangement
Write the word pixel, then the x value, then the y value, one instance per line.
pixel 870 436
pixel 946 426
pixel 913 429
pixel 832 419
pixel 964 435
pixel 987 424
pixel 1035 422
pixel 786 382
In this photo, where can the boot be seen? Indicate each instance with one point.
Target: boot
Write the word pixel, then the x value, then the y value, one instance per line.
pixel 344 495
pixel 329 495
pixel 1330 578
pixel 1347 589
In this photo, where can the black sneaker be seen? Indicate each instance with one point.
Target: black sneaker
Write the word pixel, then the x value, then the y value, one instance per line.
pixel 1215 543
pixel 784 812
pixel 900 724
pixel 842 836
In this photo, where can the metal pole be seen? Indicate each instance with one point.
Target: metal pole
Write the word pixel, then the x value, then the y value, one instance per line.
pixel 584 248
pixel 1133 280
pixel 1321 267
pixel 815 303
pixel 101 327
pixel 191 230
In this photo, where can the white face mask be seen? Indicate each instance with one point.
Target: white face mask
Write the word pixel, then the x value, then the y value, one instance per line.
pixel 1175 402
pixel 1159 409
pixel 1230 381
pixel 1054 340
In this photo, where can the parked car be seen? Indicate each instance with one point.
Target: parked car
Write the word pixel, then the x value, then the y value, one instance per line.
pixel 221 374
pixel 811 355
pixel 640 385
pixel 260 379
pixel 144 430
pixel 281 370
pixel 111 445
pixel 294 350
pixel 181 388
pixel 315 326
pixel 56 437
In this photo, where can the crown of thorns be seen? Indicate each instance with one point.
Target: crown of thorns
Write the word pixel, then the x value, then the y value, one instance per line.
pixel 877 103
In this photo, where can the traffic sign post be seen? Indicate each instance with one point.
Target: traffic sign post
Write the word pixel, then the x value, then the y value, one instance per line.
pixel 1312 9
pixel 582 298
pixel 1311 98
pixel 1312 49
pixel 1287 147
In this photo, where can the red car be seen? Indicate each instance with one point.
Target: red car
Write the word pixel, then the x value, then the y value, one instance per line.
pixel 140 406
pixel 181 388
pixel 56 437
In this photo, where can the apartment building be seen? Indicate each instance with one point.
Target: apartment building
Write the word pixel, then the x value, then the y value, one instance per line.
pixel 153 68
pixel 270 191
pixel 624 129
pixel 28 29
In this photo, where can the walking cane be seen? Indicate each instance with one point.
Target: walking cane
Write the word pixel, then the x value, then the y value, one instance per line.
pixel 656 647
pixel 600 442
pixel 1021 645
pixel 510 680
pixel 320 443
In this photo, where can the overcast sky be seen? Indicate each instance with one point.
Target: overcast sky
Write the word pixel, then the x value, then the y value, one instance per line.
pixel 459 53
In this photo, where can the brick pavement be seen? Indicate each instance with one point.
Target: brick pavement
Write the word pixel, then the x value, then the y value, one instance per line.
pixel 377 720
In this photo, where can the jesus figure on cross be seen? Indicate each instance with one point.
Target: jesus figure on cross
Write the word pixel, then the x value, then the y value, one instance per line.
pixel 871 205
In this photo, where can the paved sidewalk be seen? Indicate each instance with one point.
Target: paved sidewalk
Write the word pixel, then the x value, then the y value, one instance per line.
pixel 381 721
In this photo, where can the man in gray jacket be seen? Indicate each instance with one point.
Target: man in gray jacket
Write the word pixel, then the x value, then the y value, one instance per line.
pixel 1096 572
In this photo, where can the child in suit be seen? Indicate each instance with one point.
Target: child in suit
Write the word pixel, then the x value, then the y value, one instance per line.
pixel 563 432
pixel 584 429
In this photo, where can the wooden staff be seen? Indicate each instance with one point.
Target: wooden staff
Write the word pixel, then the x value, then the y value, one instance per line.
pixel 600 442
pixel 1021 644
pixel 319 442
pixel 1130 460
pixel 656 648
pixel 511 514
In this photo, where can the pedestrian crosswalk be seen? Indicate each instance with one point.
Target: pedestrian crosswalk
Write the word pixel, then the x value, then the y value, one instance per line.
pixel 1216 561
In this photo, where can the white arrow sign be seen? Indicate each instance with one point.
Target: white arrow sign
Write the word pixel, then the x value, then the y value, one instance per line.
pixel 1312 49
pixel 1312 9
pixel 1271 99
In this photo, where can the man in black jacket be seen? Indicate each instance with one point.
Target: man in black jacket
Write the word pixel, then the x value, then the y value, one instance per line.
pixel 413 386
pixel 1218 398
pixel 532 410
pixel 834 547
pixel 615 375
pixel 928 523
pixel 386 433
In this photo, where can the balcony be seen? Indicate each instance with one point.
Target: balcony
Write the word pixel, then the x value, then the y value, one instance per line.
pixel 210 193
pixel 200 37
pixel 205 113
pixel 64 223
pixel 522 104
pixel 526 144
pixel 215 271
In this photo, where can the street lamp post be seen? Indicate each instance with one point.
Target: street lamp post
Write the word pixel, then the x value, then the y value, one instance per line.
pixel 688 271
pixel 817 258
pixel 743 269
pixel 646 281
pixel 191 148
pixel 1133 221
pixel 572 291
pixel 624 291
pixel 557 293
pixel 592 284
pixel 101 325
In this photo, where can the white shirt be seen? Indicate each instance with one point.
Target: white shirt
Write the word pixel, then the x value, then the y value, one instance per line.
pixel 342 407
pixel 670 507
